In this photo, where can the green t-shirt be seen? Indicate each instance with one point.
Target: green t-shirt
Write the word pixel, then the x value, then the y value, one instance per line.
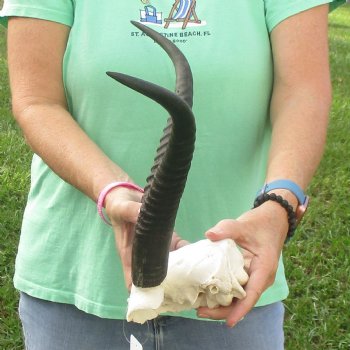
pixel 66 253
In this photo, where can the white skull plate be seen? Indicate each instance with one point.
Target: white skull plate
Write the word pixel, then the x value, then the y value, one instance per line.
pixel 204 273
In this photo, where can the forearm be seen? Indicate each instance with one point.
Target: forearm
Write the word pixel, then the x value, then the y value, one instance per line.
pixel 299 120
pixel 35 54
pixel 54 135
pixel 301 96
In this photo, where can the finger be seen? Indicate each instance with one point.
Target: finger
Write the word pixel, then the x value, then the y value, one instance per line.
pixel 181 243
pixel 233 313
pixel 219 313
pixel 127 277
pixel 247 257
pixel 258 282
pixel 228 229
pixel 177 242
pixel 125 237
pixel 126 265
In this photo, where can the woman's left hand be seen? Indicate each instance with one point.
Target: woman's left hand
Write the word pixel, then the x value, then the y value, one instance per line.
pixel 261 233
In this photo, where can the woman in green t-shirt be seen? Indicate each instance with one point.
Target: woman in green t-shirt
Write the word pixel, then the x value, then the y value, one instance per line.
pixel 262 98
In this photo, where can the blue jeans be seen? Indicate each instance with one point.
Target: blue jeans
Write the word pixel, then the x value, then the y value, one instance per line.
pixel 54 326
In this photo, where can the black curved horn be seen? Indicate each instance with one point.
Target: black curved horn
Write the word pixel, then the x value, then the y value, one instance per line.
pixel 165 185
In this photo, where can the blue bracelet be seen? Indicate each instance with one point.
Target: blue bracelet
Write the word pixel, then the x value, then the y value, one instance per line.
pixel 288 185
pixel 303 200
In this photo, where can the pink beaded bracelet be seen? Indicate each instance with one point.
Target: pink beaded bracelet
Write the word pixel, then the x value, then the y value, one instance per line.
pixel 106 190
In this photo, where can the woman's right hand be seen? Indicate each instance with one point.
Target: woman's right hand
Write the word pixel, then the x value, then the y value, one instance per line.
pixel 122 208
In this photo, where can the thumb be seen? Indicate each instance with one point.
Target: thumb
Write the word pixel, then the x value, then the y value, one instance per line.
pixel 225 229
pixel 128 211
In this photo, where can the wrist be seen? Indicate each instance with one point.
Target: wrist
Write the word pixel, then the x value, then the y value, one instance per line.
pixel 120 193
pixel 290 214
pixel 291 188
pixel 276 218
pixel 287 195
pixel 109 193
pixel 103 180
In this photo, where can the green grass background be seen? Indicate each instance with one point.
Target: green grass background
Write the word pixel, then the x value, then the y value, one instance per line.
pixel 317 260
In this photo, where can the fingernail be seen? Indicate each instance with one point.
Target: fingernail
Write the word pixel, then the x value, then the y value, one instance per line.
pixel 201 315
pixel 231 325
pixel 235 323
pixel 215 230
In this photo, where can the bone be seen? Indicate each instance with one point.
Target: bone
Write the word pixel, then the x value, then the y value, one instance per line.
pixel 204 273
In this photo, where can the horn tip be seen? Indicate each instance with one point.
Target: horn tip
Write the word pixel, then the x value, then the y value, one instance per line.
pixel 114 75
pixel 139 25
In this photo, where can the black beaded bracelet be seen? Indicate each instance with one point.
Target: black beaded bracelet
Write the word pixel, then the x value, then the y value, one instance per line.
pixel 292 219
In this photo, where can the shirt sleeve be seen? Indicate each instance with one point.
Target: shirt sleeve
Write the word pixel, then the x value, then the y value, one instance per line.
pixel 61 11
pixel 278 10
